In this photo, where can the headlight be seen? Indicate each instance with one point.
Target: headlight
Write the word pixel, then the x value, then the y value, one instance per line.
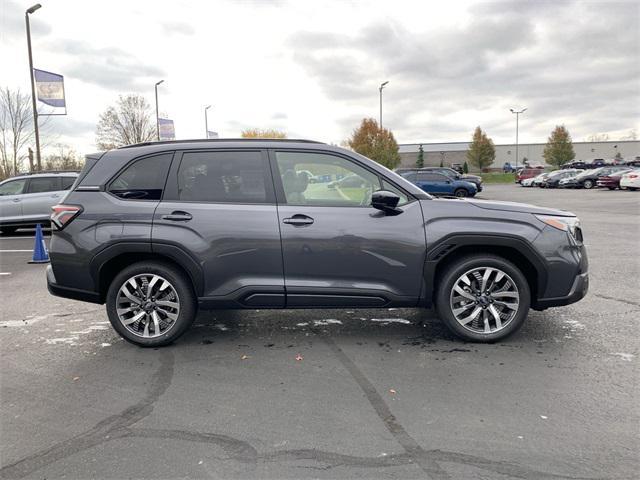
pixel 566 224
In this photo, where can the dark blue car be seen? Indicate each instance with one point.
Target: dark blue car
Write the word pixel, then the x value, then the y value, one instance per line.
pixel 439 184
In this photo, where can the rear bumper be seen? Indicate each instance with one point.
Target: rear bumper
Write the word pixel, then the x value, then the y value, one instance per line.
pixel 578 291
pixel 68 292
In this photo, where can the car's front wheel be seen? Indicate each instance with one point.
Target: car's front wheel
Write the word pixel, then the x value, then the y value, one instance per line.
pixel 483 298
pixel 461 192
pixel 588 184
pixel 151 303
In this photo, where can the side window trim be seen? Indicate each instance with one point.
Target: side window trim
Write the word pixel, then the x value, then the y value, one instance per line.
pixel 171 193
pixel 277 179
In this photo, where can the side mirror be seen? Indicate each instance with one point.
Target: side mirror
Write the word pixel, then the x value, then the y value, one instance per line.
pixel 386 201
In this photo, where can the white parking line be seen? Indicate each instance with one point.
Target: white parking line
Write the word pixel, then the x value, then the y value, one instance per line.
pixel 15 251
pixel 5 273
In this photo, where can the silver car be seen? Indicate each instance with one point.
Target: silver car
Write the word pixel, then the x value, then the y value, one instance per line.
pixel 26 200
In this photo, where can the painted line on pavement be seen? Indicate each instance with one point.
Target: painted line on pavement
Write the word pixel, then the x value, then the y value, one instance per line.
pixel 5 273
pixel 15 251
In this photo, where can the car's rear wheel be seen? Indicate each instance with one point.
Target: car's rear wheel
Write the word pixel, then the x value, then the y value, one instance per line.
pixel 588 184
pixel 151 303
pixel 483 298
pixel 461 192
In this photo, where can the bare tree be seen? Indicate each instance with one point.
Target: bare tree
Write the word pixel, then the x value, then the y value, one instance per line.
pixel 129 121
pixel 16 125
pixel 64 159
pixel 632 135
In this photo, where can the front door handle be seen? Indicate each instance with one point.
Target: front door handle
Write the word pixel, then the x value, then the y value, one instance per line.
pixel 178 216
pixel 16 200
pixel 298 220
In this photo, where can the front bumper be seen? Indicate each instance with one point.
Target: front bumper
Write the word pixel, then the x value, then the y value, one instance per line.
pixel 578 291
pixel 68 292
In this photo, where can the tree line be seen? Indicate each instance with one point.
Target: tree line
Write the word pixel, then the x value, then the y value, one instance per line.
pixel 131 120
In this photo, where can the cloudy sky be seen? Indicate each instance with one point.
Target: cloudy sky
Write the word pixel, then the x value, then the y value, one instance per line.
pixel 312 68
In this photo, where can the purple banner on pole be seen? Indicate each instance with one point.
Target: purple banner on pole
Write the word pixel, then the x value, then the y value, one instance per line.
pixel 167 129
pixel 50 88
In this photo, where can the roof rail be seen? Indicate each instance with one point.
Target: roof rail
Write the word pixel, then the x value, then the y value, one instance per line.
pixel 47 171
pixel 216 140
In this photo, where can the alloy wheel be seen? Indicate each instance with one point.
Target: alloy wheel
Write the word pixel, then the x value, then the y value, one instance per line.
pixel 484 300
pixel 147 305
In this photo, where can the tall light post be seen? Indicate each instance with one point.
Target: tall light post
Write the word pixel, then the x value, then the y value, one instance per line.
pixel 382 85
pixel 157 114
pixel 206 122
pixel 28 12
pixel 517 126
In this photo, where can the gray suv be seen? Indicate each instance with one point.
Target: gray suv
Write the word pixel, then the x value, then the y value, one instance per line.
pixel 157 230
pixel 26 200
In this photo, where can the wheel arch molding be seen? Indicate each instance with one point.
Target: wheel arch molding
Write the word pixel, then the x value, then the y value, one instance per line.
pixel 513 248
pixel 106 264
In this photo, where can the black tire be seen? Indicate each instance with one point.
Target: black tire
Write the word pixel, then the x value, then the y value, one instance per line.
pixel 8 230
pixel 183 288
pixel 461 192
pixel 588 184
pixel 446 283
pixel 633 189
pixel 612 188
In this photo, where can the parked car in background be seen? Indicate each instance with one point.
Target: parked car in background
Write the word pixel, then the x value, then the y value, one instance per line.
pixel 527 173
pixel 630 180
pixel 527 182
pixel 579 164
pixel 454 175
pixel 588 178
pixel 457 167
pixel 633 163
pixel 26 200
pixel 538 181
pixel 554 178
pixel 611 180
pixel 439 184
pixel 597 162
pixel 507 168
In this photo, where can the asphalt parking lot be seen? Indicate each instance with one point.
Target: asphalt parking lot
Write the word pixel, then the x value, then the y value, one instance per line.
pixel 331 393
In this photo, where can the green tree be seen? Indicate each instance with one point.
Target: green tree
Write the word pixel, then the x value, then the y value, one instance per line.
pixel 481 151
pixel 376 143
pixel 465 167
pixel 420 162
pixel 559 149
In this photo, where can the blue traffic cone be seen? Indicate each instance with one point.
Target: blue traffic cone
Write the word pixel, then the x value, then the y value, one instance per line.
pixel 40 254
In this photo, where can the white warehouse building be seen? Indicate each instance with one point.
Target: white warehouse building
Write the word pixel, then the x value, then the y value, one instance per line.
pixel 455 152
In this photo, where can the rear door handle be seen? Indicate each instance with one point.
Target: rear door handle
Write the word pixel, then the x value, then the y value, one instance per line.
pixel 178 216
pixel 16 200
pixel 298 220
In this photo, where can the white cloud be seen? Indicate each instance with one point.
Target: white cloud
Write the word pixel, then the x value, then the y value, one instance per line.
pixel 312 68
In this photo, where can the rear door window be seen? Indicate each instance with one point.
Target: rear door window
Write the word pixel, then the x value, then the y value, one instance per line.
pixel 43 184
pixel 144 179
pixel 225 177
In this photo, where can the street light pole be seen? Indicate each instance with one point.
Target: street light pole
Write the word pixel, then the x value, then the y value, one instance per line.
pixel 33 85
pixel 206 122
pixel 517 128
pixel 157 115
pixel 382 85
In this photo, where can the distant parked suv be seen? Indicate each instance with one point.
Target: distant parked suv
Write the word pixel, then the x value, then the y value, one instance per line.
pixel 449 172
pixel 26 200
pixel 157 230
pixel 528 173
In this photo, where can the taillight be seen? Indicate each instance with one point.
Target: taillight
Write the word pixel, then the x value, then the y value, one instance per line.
pixel 632 175
pixel 63 214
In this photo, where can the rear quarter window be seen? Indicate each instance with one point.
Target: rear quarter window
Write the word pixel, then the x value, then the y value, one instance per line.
pixel 143 179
